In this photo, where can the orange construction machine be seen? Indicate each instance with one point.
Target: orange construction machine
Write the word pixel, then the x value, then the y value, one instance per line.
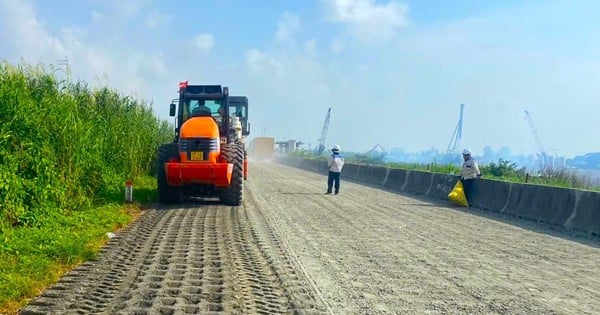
pixel 208 156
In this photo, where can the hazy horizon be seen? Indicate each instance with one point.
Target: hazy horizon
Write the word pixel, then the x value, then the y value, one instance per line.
pixel 394 72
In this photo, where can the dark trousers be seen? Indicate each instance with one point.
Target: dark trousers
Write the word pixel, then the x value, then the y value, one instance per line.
pixel 334 177
pixel 468 187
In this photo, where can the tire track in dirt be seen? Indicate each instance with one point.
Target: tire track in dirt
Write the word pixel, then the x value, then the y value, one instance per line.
pixel 290 249
pixel 101 276
pixel 277 235
pixel 197 259
pixel 370 251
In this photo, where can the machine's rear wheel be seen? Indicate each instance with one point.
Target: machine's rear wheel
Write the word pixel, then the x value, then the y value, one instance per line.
pixel 245 163
pixel 166 193
pixel 233 195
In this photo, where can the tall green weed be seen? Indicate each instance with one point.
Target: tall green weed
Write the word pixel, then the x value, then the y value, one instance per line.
pixel 65 146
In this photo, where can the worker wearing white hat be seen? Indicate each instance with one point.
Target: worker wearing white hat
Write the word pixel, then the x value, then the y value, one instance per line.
pixel 469 172
pixel 335 163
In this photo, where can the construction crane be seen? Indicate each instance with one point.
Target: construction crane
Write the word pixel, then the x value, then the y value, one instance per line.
pixel 456 137
pixel 542 155
pixel 321 147
pixel 377 149
pixel 377 152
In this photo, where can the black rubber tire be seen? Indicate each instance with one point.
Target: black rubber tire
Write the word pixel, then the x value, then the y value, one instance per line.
pixel 233 195
pixel 245 159
pixel 166 193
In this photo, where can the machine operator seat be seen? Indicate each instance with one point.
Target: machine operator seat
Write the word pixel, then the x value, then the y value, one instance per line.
pixel 201 110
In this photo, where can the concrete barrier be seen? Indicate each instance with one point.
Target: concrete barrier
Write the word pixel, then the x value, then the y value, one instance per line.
pixel 573 209
pixel 289 161
pixel 281 159
pixel 308 165
pixel 586 215
pixel 396 179
pixel 304 164
pixel 552 205
pixel 362 173
pixel 490 195
pixel 418 183
pixel 350 171
pixel 547 204
pixel 375 175
pixel 442 185
pixel 317 166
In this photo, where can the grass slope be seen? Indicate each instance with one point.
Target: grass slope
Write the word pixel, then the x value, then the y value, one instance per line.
pixel 65 153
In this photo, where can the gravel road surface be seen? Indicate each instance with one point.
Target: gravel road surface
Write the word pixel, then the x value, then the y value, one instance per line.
pixel 292 249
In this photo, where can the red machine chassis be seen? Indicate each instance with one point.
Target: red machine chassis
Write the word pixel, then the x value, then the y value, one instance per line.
pixel 179 174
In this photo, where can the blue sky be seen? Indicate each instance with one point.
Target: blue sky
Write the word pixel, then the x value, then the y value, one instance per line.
pixel 394 72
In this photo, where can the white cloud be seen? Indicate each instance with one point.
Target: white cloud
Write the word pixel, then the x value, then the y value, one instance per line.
pixel 259 63
pixel 156 20
pixel 367 19
pixel 204 42
pixel 19 21
pixel 337 45
pixel 26 36
pixel 291 85
pixel 130 8
pixel 287 26
pixel 96 16
pixel 362 69
pixel 310 46
pixel 147 66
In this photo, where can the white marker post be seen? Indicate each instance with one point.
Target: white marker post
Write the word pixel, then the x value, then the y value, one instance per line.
pixel 129 191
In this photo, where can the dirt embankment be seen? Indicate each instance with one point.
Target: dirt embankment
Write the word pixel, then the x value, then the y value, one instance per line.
pixel 197 259
pixel 370 251
pixel 291 249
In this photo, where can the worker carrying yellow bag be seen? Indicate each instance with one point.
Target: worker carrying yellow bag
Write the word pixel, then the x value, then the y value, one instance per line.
pixel 457 195
pixel 464 188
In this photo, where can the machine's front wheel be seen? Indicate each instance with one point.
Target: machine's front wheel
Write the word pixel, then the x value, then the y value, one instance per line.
pixel 233 195
pixel 167 193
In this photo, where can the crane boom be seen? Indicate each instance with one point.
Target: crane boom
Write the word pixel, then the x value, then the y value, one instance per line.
pixel 538 141
pixel 374 149
pixel 323 138
pixel 545 161
pixel 457 136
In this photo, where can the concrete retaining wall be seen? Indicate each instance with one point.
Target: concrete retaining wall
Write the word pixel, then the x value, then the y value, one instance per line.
pixel 570 208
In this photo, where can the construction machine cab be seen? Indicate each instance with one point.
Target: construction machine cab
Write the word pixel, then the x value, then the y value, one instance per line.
pixel 238 107
pixel 204 100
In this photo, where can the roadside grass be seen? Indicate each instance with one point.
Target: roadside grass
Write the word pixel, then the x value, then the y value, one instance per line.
pixel 66 150
pixel 33 258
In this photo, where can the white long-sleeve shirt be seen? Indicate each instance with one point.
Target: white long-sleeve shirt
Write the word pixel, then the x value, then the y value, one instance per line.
pixel 335 163
pixel 470 169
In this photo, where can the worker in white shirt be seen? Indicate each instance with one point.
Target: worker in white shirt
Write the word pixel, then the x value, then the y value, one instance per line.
pixel 335 163
pixel 469 172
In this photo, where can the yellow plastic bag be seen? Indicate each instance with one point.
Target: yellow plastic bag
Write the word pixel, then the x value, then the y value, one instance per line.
pixel 457 195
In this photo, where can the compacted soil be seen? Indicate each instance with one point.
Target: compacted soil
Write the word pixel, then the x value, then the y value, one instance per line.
pixel 292 249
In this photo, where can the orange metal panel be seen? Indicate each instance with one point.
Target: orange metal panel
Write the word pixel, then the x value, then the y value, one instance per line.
pixel 200 127
pixel 186 173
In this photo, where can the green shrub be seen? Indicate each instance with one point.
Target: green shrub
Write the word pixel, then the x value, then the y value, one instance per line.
pixel 64 146
pixel 503 169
